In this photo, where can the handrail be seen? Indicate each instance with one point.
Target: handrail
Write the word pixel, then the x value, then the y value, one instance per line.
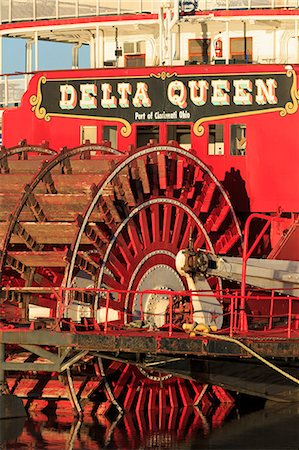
pixel 247 252
pixel 267 312
pixel 11 11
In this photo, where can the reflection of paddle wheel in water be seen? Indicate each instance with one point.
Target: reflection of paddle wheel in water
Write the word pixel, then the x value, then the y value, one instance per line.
pixel 95 217
pixel 165 428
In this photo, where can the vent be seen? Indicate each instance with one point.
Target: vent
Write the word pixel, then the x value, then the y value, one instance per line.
pixel 134 47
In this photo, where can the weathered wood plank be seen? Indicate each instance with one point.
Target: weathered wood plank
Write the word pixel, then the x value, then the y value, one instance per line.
pixel 40 259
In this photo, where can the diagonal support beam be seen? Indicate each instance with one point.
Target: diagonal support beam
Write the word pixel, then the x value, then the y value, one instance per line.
pixel 48 181
pixel 4 168
pixel 19 267
pixel 35 207
pixel 94 234
pixel 38 367
pixel 65 162
pixel 73 396
pixel 73 360
pixel 26 237
pixel 39 351
pixel 62 353
pixel 84 262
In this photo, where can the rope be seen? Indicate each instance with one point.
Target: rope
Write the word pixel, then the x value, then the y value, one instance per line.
pixel 253 353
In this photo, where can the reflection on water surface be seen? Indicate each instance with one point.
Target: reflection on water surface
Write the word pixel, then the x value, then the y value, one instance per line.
pixel 226 427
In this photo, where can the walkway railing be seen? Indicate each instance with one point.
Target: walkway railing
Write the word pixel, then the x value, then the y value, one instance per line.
pixel 210 5
pixel 12 88
pixel 267 313
pixel 20 10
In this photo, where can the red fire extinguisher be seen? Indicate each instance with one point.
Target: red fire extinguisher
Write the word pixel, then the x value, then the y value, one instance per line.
pixel 218 48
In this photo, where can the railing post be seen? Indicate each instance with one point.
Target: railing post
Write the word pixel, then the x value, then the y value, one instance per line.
pixel 57 9
pixel 10 10
pixel 235 312
pixel 5 90
pixel 271 310
pixel 34 9
pixel 59 312
pixel 232 311
pixel 141 307
pixel 290 317
pixel 170 314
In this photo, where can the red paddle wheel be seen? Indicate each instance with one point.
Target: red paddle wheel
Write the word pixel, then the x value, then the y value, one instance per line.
pixel 93 216
pixel 150 204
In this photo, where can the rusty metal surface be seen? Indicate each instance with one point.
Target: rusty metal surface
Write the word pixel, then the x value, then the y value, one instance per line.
pixel 154 343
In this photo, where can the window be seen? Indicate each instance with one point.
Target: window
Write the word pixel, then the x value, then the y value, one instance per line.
pixel 181 134
pixel 110 134
pixel 216 140
pixel 238 140
pixel 199 50
pixel 137 60
pixel 88 134
pixel 146 134
pixel 238 52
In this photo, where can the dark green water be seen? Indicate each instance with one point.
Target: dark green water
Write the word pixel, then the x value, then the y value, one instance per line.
pixel 274 427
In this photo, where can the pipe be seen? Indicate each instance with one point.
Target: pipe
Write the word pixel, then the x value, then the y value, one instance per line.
pixel 1 54
pixel 75 55
pixel 227 42
pixel 36 50
pixel 245 42
pixel 100 47
pixel 161 33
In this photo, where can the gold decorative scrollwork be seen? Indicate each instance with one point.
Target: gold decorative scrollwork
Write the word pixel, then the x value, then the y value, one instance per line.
pixel 125 130
pixel 36 100
pixel 163 75
pixel 291 107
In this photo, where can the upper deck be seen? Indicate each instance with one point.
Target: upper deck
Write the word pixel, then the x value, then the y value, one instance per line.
pixel 144 33
pixel 34 10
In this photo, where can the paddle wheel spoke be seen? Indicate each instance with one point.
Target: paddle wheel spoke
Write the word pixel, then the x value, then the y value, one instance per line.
pixel 186 233
pixel 155 221
pixel 177 229
pixel 144 226
pixel 161 160
pixel 167 213
pixel 123 248
pixel 134 238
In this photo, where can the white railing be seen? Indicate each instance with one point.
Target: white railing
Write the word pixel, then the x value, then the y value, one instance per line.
pixel 12 87
pixel 22 10
pixel 210 5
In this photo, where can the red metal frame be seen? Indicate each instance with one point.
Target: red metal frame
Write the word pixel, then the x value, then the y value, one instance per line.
pixel 263 307
pixel 247 252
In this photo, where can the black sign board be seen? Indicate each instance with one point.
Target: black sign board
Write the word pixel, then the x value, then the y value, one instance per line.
pixel 167 97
